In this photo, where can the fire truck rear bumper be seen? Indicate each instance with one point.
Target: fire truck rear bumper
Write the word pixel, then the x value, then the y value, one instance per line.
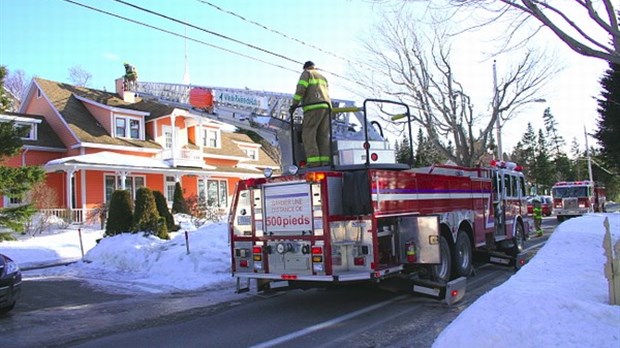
pixel 344 277
pixel 570 212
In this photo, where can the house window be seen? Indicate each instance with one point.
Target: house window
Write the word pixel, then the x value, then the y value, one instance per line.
pixel 12 201
pixel 128 127
pixel 39 93
pixel 120 127
pixel 113 183
pixel 211 138
pixel 134 129
pixel 217 193
pixel 252 153
pixel 31 130
pixel 170 185
pixel 167 137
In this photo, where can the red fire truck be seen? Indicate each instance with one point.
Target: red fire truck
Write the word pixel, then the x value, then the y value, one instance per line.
pixel 366 218
pixel 575 198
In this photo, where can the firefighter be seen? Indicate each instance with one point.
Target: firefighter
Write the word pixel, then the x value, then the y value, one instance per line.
pixel 312 89
pixel 537 212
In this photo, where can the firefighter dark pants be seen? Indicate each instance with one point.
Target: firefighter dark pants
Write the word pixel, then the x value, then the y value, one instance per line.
pixel 315 136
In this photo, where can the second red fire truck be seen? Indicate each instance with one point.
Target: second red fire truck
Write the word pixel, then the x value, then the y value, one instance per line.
pixel 366 218
pixel 575 198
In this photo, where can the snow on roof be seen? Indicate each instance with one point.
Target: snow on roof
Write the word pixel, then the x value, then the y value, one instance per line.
pixel 111 158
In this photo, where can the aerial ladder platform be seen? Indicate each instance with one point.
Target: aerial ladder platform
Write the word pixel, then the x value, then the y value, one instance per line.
pixel 267 114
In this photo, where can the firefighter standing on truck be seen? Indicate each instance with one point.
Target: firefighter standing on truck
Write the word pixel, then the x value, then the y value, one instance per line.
pixel 537 212
pixel 312 89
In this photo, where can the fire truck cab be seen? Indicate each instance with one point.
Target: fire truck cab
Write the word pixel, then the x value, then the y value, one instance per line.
pixel 366 218
pixel 576 198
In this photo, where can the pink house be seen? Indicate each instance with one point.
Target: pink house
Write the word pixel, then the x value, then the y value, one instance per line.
pixel 92 142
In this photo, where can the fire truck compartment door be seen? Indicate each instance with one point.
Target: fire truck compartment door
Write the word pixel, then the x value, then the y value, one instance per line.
pixel 424 232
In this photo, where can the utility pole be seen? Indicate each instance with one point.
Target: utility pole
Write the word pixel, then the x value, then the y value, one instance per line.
pixel 498 123
pixel 588 154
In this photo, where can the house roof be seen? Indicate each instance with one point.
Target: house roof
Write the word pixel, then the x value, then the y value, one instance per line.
pixel 46 137
pixel 80 120
pixel 230 148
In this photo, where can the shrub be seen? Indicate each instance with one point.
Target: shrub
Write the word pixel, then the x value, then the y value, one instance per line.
pixel 119 214
pixel 179 206
pixel 145 216
pixel 163 229
pixel 162 209
pixel 8 236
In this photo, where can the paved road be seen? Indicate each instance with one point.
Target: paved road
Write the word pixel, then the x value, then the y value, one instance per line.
pixel 57 312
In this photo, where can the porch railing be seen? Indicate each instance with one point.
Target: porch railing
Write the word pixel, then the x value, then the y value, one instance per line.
pixel 73 216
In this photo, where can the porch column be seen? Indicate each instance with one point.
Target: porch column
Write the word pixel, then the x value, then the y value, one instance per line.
pixel 123 175
pixel 204 179
pixel 174 137
pixel 69 179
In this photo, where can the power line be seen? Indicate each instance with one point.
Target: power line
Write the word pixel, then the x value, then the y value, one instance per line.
pixel 200 41
pixel 207 31
pixel 231 39
pixel 278 32
pixel 177 34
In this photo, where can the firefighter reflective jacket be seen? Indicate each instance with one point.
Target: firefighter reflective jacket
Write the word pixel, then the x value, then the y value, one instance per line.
pixel 311 88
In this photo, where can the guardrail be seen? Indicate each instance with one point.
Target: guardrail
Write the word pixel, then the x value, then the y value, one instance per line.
pixel 612 265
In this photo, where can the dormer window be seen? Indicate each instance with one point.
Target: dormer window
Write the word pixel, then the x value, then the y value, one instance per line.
pixel 211 138
pixel 252 153
pixel 31 130
pixel 128 127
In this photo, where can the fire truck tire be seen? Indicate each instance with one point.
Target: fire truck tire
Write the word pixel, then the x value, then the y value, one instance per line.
pixel 518 240
pixel 463 255
pixel 443 270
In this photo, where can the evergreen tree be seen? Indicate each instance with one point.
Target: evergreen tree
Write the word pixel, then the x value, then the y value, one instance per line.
pixel 15 182
pixel 555 140
pixel 179 205
pixel 543 170
pixel 404 151
pixel 162 209
pixel 608 133
pixel 119 214
pixel 145 217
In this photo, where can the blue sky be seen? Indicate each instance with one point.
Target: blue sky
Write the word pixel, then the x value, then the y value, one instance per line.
pixel 46 37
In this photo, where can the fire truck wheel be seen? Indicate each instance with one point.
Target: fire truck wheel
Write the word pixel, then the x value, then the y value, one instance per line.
pixel 463 255
pixel 518 240
pixel 442 271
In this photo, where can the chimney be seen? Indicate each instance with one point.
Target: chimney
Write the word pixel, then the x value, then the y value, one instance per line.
pixel 127 96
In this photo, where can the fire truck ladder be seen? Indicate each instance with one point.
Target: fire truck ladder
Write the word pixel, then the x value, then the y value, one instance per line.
pixel 266 113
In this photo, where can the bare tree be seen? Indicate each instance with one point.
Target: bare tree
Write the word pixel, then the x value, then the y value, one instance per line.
pixel 588 27
pixel 79 76
pixel 17 83
pixel 420 74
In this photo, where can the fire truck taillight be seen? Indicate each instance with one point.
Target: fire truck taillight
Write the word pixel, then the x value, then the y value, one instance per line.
pixel 317 259
pixel 243 263
pixel 359 261
pixel 374 157
pixel 257 252
pixel 410 252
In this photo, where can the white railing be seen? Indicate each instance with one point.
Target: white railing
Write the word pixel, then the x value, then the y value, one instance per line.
pixel 73 216
pixel 182 154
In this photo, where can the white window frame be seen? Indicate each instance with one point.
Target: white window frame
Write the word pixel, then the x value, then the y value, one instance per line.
pixel 127 130
pixel 217 202
pixel 170 183
pixel 117 184
pixel 251 152
pixel 210 135
pixel 167 130
pixel 32 135
pixel 12 202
